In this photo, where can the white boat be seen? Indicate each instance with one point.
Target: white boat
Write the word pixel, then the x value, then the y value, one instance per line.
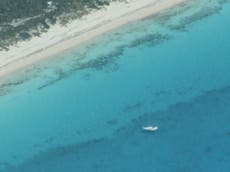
pixel 150 128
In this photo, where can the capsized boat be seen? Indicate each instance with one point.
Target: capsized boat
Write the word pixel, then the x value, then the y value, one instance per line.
pixel 150 128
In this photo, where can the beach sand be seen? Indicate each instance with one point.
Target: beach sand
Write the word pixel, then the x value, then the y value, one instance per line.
pixel 60 38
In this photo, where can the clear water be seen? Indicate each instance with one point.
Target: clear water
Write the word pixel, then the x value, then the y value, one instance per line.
pixel 84 110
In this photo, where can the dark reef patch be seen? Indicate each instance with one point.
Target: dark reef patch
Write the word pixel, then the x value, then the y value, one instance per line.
pixel 103 60
pixel 201 14
pixel 112 122
pixel 106 62
pixel 224 1
pixel 151 40
pixel 53 154
pixel 133 107
pixel 164 17
pixel 6 87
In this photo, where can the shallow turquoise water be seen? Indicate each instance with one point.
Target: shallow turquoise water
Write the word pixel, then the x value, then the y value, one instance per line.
pixel 84 111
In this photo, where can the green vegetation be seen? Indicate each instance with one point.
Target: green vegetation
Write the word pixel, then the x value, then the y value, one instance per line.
pixel 22 19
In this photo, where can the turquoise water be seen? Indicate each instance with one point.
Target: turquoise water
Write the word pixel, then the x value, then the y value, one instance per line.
pixel 84 110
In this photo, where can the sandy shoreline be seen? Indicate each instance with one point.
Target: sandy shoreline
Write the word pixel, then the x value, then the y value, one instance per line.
pixel 59 39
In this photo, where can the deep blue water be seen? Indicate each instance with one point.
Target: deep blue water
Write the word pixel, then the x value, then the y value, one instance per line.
pixel 84 110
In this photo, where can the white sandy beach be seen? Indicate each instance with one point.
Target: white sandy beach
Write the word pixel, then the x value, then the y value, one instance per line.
pixel 59 38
